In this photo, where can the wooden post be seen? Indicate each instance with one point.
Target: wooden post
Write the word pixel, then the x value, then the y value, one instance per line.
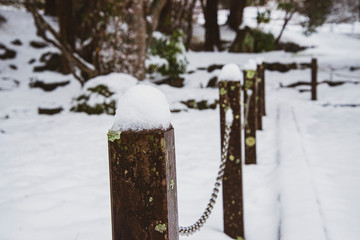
pixel 232 181
pixel 259 99
pixel 143 185
pixel 250 126
pixel 262 87
pixel 313 79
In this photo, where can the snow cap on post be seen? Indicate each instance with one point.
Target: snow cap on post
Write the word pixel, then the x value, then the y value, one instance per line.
pixel 230 72
pixel 250 65
pixel 142 107
pixel 259 60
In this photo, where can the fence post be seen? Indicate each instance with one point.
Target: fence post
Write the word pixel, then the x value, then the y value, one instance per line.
pixel 314 79
pixel 229 92
pixel 259 99
pixel 250 125
pixel 262 89
pixel 142 172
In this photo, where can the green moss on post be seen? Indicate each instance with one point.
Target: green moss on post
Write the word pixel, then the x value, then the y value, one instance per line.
pixel 143 185
pixel 251 123
pixel 229 97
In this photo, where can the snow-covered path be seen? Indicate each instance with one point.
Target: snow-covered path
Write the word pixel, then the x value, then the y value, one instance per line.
pixel 301 213
pixel 54 181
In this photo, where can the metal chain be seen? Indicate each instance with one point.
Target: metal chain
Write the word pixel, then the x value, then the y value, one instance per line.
pixel 199 223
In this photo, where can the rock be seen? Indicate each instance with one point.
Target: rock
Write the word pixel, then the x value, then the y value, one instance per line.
pixel 201 105
pixel 252 41
pixel 213 67
pixel 47 87
pixel 13 67
pixel 290 47
pixel 174 82
pixel 104 104
pixel 213 82
pixel 50 111
pixel 2 20
pixel 38 44
pixel 52 62
pixel 108 108
pixel 8 54
pixel 354 68
pixel 17 42
pixel 280 66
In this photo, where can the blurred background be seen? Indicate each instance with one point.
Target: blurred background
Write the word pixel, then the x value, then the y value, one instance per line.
pixel 64 64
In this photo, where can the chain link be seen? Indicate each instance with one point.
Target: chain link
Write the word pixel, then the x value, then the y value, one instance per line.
pixel 201 221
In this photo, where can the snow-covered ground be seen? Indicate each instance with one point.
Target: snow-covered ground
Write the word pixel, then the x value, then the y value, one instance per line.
pixel 54 181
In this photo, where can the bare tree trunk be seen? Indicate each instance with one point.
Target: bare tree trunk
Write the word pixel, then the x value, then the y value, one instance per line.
pixel 212 31
pixel 288 17
pixel 236 13
pixel 66 21
pixel 50 7
pixel 189 30
pixel 134 41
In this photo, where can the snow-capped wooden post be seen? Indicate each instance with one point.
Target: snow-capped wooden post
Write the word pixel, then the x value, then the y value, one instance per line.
pixel 250 123
pixel 259 99
pixel 262 87
pixel 229 93
pixel 313 79
pixel 142 168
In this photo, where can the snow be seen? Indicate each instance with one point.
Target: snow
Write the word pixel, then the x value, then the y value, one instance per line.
pixel 142 108
pixel 230 72
pixel 251 65
pixel 229 116
pixel 54 172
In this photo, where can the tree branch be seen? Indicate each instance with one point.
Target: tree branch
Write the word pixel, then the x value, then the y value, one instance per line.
pixel 68 52
pixel 155 11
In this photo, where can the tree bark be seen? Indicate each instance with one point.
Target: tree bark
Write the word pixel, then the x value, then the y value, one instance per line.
pixel 50 8
pixel 236 13
pixel 212 31
pixel 135 41
pixel 66 21
pixel 189 29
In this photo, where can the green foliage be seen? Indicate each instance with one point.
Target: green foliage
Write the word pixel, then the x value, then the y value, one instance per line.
pixel 108 106
pixel 264 42
pixel 317 12
pixel 102 90
pixel 287 6
pixel 171 49
pixel 263 17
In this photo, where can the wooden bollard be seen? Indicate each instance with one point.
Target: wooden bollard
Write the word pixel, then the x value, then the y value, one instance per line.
pixel 250 125
pixel 314 79
pixel 259 99
pixel 143 184
pixel 229 97
pixel 262 89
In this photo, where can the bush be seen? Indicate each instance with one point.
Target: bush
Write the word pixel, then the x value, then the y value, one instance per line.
pixel 264 42
pixel 168 52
